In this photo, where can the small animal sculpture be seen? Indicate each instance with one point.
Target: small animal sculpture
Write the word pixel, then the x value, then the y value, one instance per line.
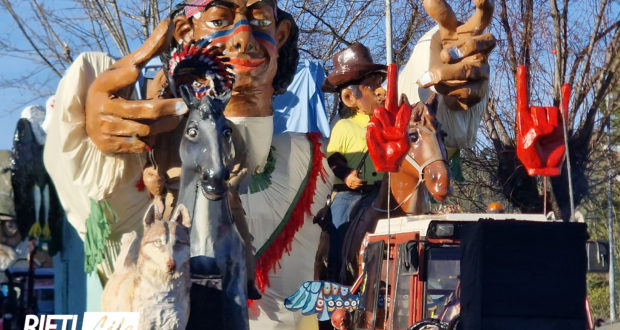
pixel 152 272
pixel 217 249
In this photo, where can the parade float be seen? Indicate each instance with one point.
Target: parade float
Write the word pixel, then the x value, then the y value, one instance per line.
pixel 209 161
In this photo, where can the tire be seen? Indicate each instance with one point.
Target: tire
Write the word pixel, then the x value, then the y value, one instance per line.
pixel 428 322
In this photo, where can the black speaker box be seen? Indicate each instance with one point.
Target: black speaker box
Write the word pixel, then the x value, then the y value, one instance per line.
pixel 523 275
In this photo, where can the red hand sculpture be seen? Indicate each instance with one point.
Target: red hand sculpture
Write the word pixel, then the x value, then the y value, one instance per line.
pixel 386 134
pixel 540 135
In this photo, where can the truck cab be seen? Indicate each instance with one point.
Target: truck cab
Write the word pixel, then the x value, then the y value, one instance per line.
pixel 420 271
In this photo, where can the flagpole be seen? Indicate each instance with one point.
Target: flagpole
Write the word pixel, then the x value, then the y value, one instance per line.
pixel 389 61
pixel 388 32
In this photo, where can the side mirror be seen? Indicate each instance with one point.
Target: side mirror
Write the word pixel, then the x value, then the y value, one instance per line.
pixel 409 257
pixel 598 256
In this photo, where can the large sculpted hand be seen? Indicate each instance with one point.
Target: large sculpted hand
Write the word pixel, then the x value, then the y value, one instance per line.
pixel 118 125
pixel 540 131
pixel 463 75
pixel 386 133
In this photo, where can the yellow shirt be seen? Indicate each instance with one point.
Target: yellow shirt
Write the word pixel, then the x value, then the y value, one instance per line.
pixel 348 138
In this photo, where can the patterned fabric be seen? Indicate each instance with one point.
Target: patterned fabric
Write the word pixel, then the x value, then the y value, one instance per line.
pixel 195 7
pixel 322 298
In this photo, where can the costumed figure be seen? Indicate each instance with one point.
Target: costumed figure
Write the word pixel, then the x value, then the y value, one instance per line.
pixel 100 145
pixel 358 81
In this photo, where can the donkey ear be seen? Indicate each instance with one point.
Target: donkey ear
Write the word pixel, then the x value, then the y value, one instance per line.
pixel 181 215
pixel 189 97
pixel 149 216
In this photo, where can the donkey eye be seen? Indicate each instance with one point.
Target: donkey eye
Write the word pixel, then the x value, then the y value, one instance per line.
pixel 413 137
pixel 227 132
pixel 192 132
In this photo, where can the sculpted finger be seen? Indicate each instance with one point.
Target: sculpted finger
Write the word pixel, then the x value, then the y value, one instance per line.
pixel 461 72
pixel 157 86
pixel 115 126
pixel 479 20
pixel 467 94
pixel 482 44
pixel 156 43
pixel 122 145
pixel 145 109
pixel 116 77
pixel 165 124
pixel 442 13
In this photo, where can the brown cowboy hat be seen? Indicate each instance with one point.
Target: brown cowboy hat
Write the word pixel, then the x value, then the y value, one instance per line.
pixel 351 65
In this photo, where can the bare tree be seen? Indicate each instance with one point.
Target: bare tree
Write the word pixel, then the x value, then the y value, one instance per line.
pixel 576 42
pixel 579 46
pixel 52 34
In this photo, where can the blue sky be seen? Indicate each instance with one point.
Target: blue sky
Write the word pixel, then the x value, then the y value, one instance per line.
pixel 14 66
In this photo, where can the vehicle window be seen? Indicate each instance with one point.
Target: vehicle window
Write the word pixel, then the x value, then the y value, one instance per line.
pixel 441 279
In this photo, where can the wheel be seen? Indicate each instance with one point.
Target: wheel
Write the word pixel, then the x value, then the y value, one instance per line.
pixel 455 324
pixel 429 324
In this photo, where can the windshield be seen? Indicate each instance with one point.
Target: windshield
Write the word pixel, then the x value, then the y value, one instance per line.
pixel 441 280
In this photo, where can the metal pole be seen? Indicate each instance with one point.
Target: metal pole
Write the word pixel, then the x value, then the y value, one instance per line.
pixel 610 216
pixel 388 32
pixel 389 60
pixel 568 167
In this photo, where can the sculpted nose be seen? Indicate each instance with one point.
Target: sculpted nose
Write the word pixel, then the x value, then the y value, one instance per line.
pixel 380 94
pixel 212 176
pixel 242 40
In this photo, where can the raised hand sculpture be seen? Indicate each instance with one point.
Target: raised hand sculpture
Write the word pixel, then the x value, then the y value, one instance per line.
pixel 540 135
pixel 386 133
pixel 462 77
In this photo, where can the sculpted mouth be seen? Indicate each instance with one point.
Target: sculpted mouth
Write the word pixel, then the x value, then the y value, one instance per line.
pixel 246 65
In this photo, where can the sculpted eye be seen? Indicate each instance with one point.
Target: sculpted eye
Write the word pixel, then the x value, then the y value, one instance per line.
pixel 192 132
pixel 217 23
pixel 260 22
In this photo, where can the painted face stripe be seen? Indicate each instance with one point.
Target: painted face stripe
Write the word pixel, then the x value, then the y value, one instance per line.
pixel 264 36
pixel 267 43
pixel 241 24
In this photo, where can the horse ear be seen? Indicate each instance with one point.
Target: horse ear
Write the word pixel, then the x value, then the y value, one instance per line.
pixel 181 215
pixel 189 97
pixel 432 102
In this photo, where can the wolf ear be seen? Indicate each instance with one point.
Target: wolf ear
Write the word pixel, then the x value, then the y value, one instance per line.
pixel 181 215
pixel 153 213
